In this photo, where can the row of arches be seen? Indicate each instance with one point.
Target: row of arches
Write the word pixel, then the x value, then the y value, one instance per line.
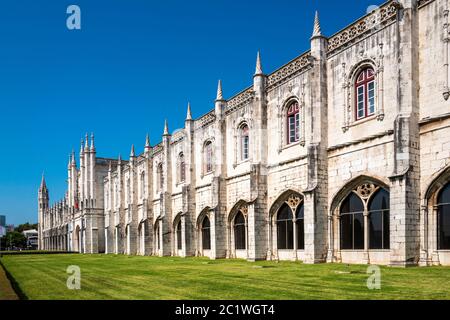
pixel 363 222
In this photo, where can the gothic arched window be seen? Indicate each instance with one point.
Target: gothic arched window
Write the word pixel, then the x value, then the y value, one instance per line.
pixel 285 231
pixel 244 137
pixel 128 191
pixel 160 177
pixel 379 220
pixel 206 234
pixel 179 236
pixel 293 122
pixel 239 231
pixel 352 223
pixel 142 182
pixel 208 156
pixel 181 168
pixel 300 225
pixel 365 93
pixel 444 218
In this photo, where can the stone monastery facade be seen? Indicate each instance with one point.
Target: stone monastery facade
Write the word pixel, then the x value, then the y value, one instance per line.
pixel 341 155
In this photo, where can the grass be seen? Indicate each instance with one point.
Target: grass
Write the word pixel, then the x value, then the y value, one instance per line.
pixel 135 277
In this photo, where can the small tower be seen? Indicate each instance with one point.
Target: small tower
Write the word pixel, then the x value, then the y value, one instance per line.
pixel 43 203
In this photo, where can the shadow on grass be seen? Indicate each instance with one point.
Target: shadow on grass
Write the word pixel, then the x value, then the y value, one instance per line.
pixel 14 284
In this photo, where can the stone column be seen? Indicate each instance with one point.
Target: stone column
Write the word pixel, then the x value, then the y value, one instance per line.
pixel 366 258
pixel 424 260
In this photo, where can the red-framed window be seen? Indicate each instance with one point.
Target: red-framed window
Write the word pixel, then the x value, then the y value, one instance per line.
pixel 365 94
pixel 244 142
pixel 293 123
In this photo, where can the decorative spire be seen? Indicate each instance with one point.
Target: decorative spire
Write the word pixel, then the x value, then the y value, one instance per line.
pixel 132 154
pixel 74 163
pixel 317 31
pixel 86 143
pixel 258 70
pixel 81 146
pixel 147 142
pixel 92 142
pixel 109 166
pixel 43 186
pixel 119 160
pixel 166 128
pixel 189 115
pixel 219 91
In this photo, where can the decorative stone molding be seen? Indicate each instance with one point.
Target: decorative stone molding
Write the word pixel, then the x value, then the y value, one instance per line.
pixel 239 100
pixel 177 137
pixel 446 41
pixel 206 120
pixel 385 14
pixel 365 190
pixel 293 202
pixel 423 3
pixel 289 70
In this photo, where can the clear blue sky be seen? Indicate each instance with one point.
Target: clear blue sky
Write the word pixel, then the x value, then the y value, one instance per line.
pixel 133 63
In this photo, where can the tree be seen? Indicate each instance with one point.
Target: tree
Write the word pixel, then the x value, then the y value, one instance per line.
pixel 13 239
pixel 26 226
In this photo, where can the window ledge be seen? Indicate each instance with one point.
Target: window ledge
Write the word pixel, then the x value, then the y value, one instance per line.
pixel 301 142
pixel 241 162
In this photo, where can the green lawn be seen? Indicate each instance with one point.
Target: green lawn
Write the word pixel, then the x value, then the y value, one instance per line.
pixel 134 277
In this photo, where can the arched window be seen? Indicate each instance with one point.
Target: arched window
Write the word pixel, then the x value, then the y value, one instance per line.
pixel 244 133
pixel 239 231
pixel 128 191
pixel 181 168
pixel 300 225
pixel 379 220
pixel 208 155
pixel 160 177
pixel 285 231
pixel 365 93
pixel 444 218
pixel 352 223
pixel 179 237
pixel 293 123
pixel 142 185
pixel 206 234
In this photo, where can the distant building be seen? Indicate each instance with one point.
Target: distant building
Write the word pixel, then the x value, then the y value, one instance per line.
pixel 10 228
pixel 32 238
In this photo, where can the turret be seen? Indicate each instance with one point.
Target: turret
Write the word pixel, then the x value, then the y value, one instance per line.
pixel 81 181
pixel 92 156
pixel 43 203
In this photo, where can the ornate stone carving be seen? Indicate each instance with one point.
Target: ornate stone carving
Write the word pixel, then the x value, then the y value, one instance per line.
pixel 378 17
pixel 365 190
pixel 293 202
pixel 205 120
pixel 239 100
pixel 244 210
pixel 289 70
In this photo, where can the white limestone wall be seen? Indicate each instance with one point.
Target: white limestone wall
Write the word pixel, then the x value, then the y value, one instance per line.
pixel 342 68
